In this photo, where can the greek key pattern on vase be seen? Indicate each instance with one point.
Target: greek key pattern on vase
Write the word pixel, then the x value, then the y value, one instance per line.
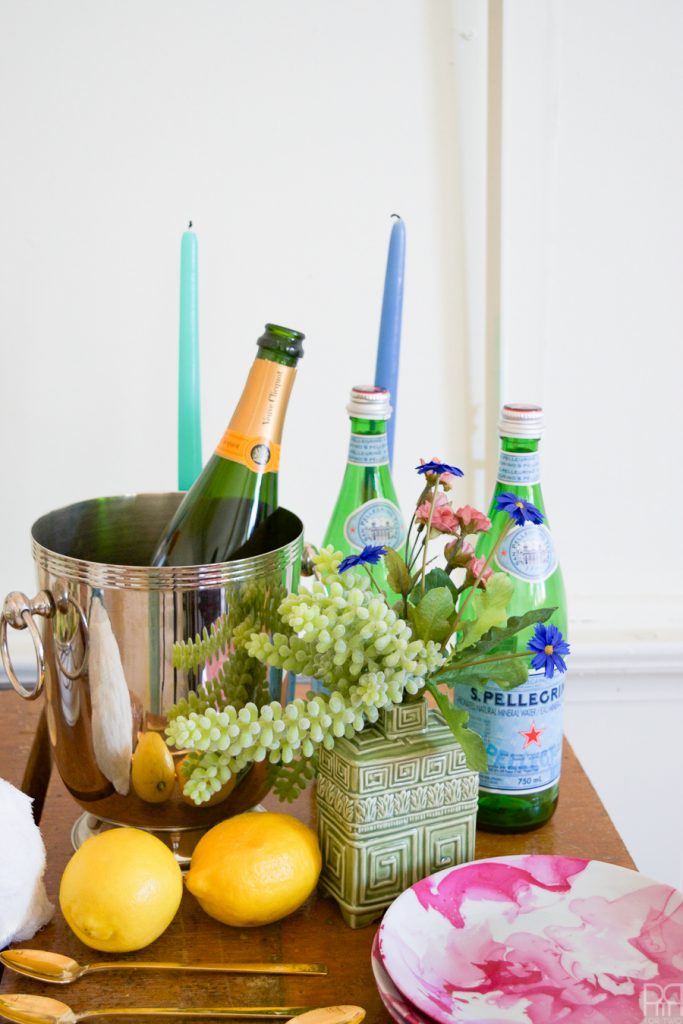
pixel 418 765
pixel 440 797
pixel 400 719
pixel 365 877
pixel 392 809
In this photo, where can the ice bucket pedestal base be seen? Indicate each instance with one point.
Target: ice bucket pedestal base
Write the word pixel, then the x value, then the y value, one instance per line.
pixel 181 842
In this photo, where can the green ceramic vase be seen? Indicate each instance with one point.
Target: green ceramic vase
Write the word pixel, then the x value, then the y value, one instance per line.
pixel 395 803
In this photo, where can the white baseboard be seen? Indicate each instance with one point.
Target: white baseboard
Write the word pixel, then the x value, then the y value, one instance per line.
pixel 24 665
pixel 620 665
pixel 625 671
pixel 624 719
pixel 626 648
pixel 23 657
pixel 25 673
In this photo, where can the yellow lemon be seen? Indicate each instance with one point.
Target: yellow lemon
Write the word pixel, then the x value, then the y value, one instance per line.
pixel 254 868
pixel 120 890
pixel 153 773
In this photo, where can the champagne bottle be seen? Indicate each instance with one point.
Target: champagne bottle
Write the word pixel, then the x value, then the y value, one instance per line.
pixel 367 509
pixel 236 491
pixel 521 728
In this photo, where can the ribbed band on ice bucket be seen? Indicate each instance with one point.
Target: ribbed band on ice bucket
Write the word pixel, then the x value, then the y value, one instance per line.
pixel 85 542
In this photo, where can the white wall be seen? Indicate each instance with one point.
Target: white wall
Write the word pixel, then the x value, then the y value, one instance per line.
pixel 592 305
pixel 289 133
pixel 592 320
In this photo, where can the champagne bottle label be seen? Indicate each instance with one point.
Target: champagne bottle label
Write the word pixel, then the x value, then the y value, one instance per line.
pixel 258 454
pixel 254 432
pixel 519 468
pixel 368 450
pixel 528 553
pixel 375 522
pixel 522 732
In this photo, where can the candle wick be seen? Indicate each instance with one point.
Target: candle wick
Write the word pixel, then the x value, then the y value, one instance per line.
pixel 396 215
pixel 189 225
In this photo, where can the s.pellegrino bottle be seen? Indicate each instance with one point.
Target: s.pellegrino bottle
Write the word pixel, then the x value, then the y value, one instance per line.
pixel 521 728
pixel 236 491
pixel 367 509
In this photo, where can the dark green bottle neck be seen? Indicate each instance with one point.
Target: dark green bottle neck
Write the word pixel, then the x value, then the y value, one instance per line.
pixel 275 356
pixel 280 345
pixel 359 425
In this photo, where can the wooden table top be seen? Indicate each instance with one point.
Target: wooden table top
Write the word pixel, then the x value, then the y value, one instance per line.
pixel 316 932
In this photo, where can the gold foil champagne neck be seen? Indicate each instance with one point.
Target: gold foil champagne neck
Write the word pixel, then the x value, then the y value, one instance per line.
pixel 255 430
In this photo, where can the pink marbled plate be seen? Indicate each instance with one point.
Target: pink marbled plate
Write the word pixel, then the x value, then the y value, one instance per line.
pixel 394 1001
pixel 537 940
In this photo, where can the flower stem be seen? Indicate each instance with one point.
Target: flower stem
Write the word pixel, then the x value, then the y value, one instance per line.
pixel 374 582
pixel 494 549
pixel 412 552
pixel 426 540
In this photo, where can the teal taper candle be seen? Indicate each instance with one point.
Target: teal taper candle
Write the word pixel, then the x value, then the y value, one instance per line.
pixel 189 408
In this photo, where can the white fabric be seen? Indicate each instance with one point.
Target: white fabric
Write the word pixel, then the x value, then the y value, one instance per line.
pixel 24 906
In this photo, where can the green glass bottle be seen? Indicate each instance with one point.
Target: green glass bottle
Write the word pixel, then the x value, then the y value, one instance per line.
pixel 237 489
pixel 522 728
pixel 367 509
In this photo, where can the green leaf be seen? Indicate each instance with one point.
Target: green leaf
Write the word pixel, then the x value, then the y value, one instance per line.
pixel 508 674
pixel 439 578
pixel 398 576
pixel 456 720
pixel 498 634
pixel 489 608
pixel 288 781
pixel 432 618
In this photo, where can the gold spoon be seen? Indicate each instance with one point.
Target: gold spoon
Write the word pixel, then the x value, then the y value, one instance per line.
pixel 42 1010
pixel 61 970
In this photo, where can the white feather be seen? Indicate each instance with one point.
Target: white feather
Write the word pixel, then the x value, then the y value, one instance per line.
pixel 112 716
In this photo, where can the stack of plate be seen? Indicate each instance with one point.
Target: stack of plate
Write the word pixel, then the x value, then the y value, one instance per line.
pixel 532 940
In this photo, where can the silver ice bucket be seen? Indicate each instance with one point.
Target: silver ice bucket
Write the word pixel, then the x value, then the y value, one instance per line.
pixel 108 631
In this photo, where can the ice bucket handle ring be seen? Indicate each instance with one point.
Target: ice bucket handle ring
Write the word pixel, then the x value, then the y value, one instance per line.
pixel 18 611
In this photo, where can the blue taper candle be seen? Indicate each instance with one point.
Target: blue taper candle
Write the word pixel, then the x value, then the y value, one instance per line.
pixel 189 408
pixel 389 348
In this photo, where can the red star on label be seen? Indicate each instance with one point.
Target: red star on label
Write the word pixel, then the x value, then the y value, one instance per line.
pixel 532 736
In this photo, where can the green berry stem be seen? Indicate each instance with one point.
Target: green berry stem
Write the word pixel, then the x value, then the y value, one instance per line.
pixel 338 632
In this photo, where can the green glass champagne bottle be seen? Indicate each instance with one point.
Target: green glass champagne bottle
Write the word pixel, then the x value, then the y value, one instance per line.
pixel 367 509
pixel 521 728
pixel 236 491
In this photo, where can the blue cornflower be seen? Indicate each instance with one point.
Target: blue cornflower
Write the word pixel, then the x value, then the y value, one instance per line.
pixel 519 509
pixel 549 645
pixel 439 467
pixel 370 555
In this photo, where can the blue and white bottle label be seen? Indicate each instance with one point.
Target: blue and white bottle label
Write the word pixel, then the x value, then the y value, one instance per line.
pixel 528 553
pixel 375 522
pixel 521 730
pixel 368 450
pixel 519 468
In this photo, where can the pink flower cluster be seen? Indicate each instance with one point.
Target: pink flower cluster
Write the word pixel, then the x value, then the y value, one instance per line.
pixel 444 519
